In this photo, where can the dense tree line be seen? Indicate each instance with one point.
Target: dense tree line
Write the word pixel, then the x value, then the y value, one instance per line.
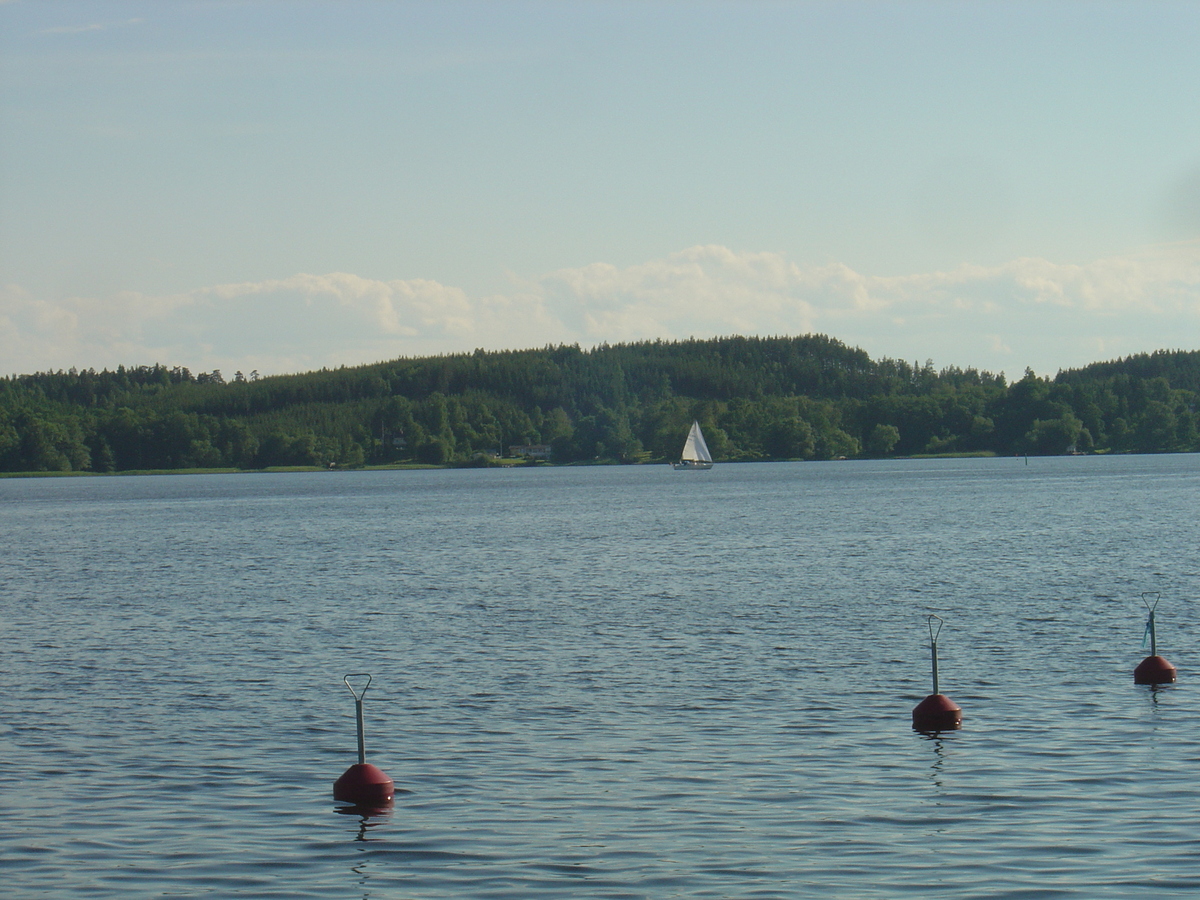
pixel 808 397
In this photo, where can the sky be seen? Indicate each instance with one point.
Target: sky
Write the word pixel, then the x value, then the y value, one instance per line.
pixel 270 186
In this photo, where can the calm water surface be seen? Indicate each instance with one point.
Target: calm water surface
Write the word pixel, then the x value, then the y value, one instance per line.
pixel 602 682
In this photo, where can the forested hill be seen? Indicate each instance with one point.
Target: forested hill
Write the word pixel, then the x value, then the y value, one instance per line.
pixel 808 397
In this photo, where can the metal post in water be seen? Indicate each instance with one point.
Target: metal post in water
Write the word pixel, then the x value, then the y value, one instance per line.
pixel 933 649
pixel 1150 620
pixel 358 711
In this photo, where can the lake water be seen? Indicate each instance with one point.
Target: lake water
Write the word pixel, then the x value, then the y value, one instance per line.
pixel 622 682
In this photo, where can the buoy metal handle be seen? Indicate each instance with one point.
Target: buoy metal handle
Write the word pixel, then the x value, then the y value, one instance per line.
pixel 358 695
pixel 358 710
pixel 933 636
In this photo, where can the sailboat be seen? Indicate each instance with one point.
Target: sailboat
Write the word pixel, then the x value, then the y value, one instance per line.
pixel 695 452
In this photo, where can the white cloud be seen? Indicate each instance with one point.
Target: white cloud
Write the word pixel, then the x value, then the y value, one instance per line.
pixel 1029 312
pixel 700 291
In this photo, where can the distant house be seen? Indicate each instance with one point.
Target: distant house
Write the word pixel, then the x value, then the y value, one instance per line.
pixel 530 451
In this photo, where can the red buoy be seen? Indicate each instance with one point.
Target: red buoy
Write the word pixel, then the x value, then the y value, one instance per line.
pixel 363 784
pixel 1153 669
pixel 937 712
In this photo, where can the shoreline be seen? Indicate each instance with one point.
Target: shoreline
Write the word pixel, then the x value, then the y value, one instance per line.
pixel 478 464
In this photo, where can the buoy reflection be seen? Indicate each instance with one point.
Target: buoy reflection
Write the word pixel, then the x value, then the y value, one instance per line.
pixel 367 812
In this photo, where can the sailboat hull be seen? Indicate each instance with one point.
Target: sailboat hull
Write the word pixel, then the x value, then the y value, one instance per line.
pixel 697 464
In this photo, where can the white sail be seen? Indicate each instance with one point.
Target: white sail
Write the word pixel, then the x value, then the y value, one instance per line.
pixel 695 448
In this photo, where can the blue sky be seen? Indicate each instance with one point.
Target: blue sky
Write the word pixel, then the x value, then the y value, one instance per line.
pixel 282 186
